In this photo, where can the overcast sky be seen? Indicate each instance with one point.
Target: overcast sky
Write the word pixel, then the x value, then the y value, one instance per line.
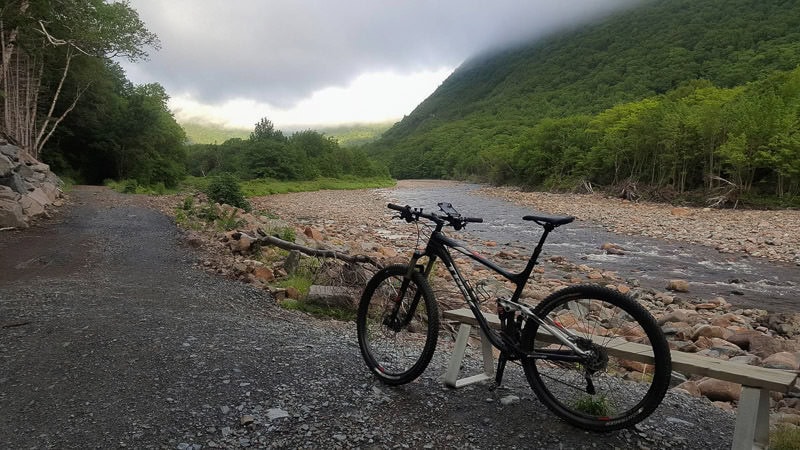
pixel 313 62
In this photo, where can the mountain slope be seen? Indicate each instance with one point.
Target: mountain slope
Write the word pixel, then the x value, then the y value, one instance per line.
pixel 489 102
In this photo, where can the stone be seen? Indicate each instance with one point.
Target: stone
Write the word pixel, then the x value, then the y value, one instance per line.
pixel 31 206
pixel 750 360
pixel 781 360
pixel 264 274
pixel 293 293
pixel 509 400
pixel 612 249
pixel 690 387
pixel 719 390
pixel 681 212
pixel 246 420
pixel 678 285
pixel 313 234
pixel 292 262
pixel 709 331
pixel 678 315
pixel 276 413
pixel 742 338
pixel 763 345
pixel 332 296
pixel 5 166
pixel 12 214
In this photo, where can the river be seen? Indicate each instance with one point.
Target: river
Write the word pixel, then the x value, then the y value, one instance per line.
pixel 743 281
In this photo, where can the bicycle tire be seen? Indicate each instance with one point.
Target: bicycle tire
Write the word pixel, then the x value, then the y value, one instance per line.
pixel 397 355
pixel 625 392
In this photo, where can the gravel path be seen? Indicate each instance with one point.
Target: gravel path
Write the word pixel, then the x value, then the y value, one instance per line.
pixel 110 337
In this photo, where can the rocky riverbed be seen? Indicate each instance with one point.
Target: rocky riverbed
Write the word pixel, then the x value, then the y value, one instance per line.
pixel 358 222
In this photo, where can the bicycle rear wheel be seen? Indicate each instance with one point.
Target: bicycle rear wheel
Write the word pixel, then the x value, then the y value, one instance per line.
pixel 611 389
pixel 398 324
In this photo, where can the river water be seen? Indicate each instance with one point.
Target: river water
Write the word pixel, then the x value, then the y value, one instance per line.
pixel 743 281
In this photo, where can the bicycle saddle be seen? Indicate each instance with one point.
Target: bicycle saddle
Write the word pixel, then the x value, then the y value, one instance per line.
pixel 552 220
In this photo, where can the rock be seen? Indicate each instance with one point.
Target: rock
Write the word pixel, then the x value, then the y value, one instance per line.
pixel 678 285
pixel 719 390
pixel 292 262
pixel 509 400
pixel 690 387
pixel 333 296
pixel 680 212
pixel 709 331
pixel 751 360
pixel 31 206
pixel 246 420
pixel 5 166
pixel 313 234
pixel 781 360
pixel 742 338
pixel 276 413
pixel 264 274
pixel 763 345
pixel 678 315
pixel 612 249
pixel 12 214
pixel 293 293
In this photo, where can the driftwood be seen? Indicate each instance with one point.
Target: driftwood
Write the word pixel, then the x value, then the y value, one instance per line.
pixel 286 245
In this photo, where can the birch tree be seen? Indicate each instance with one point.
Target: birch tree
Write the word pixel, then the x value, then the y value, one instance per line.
pixel 40 40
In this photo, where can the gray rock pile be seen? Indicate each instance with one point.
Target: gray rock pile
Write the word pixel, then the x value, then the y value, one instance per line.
pixel 27 187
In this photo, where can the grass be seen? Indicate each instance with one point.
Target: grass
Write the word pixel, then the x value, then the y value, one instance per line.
pixel 594 405
pixel 262 187
pixel 319 311
pixel 133 187
pixel 785 437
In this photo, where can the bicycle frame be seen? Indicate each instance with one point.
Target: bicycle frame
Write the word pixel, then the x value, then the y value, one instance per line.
pixel 438 247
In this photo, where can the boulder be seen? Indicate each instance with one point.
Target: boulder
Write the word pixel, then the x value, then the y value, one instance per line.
pixel 781 360
pixel 5 166
pixel 678 285
pixel 11 214
pixel 719 390
pixel 742 338
pixel 763 345
pixel 690 387
pixel 333 296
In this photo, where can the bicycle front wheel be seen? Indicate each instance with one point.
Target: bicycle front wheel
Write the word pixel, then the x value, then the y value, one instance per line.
pixel 398 324
pixel 619 384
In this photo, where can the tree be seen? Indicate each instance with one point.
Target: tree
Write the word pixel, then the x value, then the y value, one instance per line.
pixel 40 41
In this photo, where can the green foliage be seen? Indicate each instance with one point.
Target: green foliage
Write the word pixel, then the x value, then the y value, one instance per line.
pixel 676 94
pixel 597 405
pixel 785 437
pixel 345 315
pixel 225 189
pixel 268 154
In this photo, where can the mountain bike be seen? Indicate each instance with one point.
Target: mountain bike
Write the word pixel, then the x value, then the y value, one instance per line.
pixel 570 345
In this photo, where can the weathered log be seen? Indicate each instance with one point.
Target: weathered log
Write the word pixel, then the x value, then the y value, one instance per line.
pixel 286 245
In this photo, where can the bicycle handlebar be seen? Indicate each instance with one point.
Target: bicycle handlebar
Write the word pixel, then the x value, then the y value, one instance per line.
pixel 451 217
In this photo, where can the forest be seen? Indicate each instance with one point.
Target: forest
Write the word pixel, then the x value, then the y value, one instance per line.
pixel 675 95
pixel 268 153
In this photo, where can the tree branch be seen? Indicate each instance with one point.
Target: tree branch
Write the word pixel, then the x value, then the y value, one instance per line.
pixel 286 245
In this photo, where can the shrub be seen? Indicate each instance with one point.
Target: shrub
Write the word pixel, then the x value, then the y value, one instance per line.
pixel 225 189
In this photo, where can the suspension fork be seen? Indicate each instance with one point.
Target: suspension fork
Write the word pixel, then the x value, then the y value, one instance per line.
pixel 399 322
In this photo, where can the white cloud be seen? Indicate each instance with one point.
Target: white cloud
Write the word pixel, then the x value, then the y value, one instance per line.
pixel 371 97
pixel 293 60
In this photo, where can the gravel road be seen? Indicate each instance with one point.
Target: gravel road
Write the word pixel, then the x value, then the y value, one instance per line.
pixel 111 337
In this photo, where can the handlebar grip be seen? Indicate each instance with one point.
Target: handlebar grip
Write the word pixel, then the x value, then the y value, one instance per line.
pixel 472 219
pixel 397 207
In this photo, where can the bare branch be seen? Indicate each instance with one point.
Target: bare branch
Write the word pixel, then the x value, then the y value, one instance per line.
pixel 286 245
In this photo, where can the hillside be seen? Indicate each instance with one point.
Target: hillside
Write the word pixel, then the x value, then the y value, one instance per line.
pixel 347 135
pixel 486 109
